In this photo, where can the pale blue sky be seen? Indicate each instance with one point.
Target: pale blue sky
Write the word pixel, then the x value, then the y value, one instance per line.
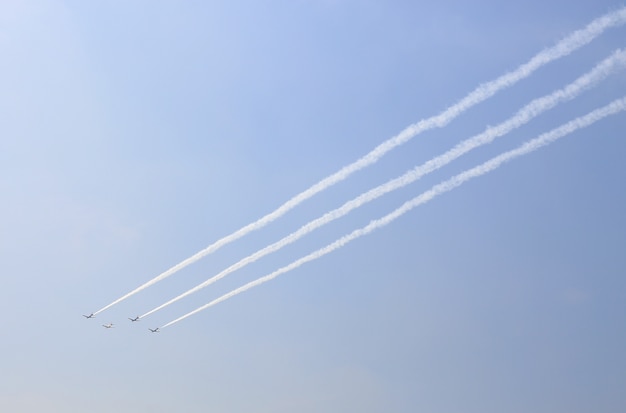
pixel 133 134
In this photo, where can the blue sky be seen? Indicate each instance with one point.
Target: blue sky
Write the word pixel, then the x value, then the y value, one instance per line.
pixel 133 134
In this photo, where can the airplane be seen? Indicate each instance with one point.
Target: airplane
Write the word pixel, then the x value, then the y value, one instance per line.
pixel 89 316
pixel 110 325
pixel 134 319
pixel 156 330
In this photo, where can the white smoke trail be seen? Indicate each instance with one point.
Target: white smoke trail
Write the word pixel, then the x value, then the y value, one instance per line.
pixel 530 146
pixel 524 115
pixel 564 47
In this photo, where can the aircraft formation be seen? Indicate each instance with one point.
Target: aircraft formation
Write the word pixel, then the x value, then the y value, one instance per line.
pixel 111 325
pixel 615 62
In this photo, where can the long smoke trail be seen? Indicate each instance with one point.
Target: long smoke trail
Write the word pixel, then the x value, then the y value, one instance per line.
pixel 524 115
pixel 530 146
pixel 564 47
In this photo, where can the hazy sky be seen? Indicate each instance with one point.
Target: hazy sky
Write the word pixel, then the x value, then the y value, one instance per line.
pixel 134 134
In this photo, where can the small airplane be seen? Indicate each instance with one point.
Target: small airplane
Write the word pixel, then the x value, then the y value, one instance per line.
pixel 110 325
pixel 89 316
pixel 156 330
pixel 134 319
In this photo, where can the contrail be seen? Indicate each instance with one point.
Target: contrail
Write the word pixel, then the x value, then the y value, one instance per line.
pixel 484 91
pixel 530 146
pixel 524 115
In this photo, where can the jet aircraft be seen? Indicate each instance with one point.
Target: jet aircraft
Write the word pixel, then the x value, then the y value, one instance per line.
pixel 89 316
pixel 156 330
pixel 110 325
pixel 134 319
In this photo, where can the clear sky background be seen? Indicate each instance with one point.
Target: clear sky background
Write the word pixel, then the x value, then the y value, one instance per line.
pixel 135 133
